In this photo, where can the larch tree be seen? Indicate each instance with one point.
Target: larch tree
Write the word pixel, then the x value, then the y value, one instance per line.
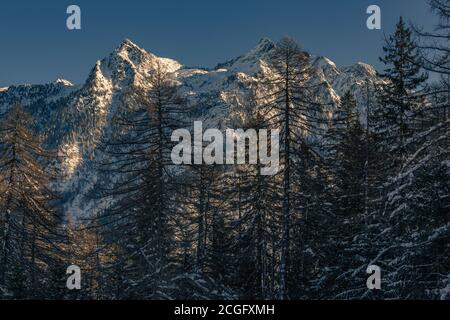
pixel 30 223
pixel 139 154
pixel 290 103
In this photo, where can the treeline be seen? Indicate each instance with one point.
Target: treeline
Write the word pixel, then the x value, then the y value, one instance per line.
pixel 349 193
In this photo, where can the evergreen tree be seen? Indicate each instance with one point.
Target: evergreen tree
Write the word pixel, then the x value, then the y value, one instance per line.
pixel 400 97
pixel 347 159
pixel 342 187
pixel 406 137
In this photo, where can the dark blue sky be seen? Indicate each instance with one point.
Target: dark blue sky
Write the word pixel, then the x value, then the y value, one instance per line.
pixel 36 46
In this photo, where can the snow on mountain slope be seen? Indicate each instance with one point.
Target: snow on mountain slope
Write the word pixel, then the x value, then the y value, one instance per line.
pixel 29 94
pixel 75 118
pixel 250 62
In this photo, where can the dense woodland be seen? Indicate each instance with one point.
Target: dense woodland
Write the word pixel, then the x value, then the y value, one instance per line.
pixel 349 193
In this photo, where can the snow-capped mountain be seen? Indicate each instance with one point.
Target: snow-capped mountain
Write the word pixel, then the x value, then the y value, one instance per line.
pixel 75 118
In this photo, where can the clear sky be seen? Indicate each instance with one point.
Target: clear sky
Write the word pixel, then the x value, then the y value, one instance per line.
pixel 36 47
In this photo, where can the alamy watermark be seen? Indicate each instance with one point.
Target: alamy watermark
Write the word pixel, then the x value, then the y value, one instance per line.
pixel 73 22
pixel 374 20
pixel 374 281
pixel 74 280
pixel 234 148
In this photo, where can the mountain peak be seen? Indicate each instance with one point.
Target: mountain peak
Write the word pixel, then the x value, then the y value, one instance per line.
pixel 325 66
pixel 250 62
pixel 264 45
pixel 129 48
pixel 324 61
pixel 124 61
pixel 366 68
pixel 96 76
pixel 127 44
pixel 64 82
pixel 362 70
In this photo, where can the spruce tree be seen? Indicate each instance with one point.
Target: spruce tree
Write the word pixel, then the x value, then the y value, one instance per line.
pixel 400 96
